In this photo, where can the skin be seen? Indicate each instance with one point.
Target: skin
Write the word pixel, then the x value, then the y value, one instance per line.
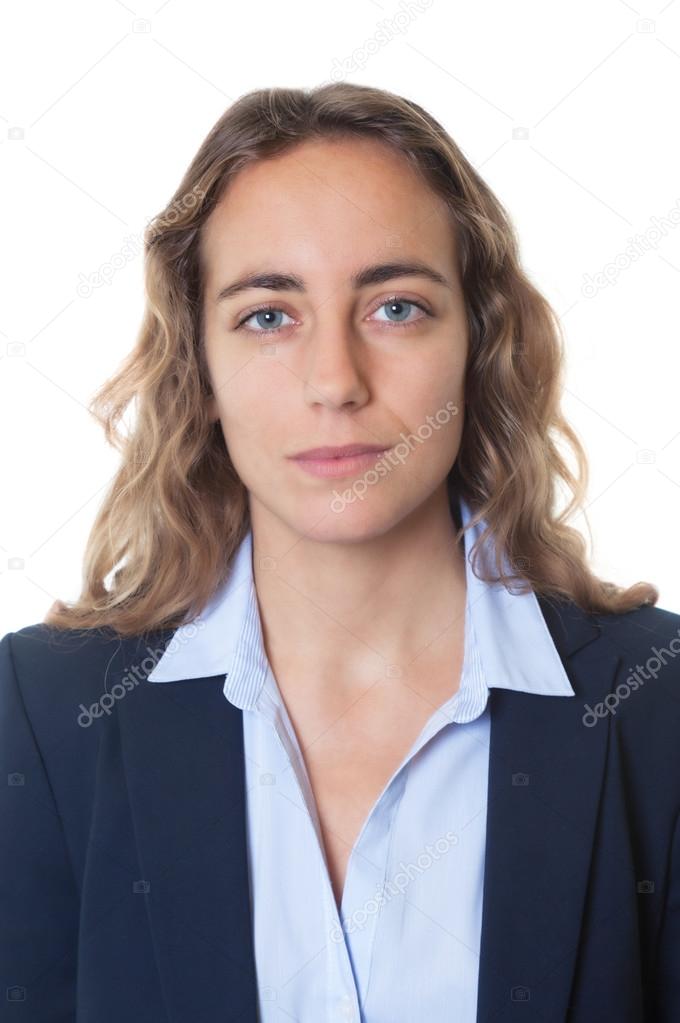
pixel 362 608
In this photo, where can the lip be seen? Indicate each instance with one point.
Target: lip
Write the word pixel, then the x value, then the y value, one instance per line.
pixel 318 454
pixel 342 461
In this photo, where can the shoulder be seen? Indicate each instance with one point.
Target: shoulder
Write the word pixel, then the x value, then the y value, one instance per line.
pixel 647 641
pixel 51 674
pixel 69 653
pixel 637 632
pixel 646 636
pixel 38 647
pixel 625 671
pixel 643 699
pixel 53 684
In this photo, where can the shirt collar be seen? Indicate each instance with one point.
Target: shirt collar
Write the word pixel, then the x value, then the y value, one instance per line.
pixel 513 641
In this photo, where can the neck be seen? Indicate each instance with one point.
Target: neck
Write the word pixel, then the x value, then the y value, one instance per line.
pixel 337 613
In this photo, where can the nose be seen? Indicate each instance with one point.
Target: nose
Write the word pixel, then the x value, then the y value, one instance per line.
pixel 334 376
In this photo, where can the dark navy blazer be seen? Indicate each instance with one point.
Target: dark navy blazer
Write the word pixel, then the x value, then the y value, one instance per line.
pixel 124 891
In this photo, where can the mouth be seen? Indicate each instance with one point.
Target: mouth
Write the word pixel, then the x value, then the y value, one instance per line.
pixel 333 462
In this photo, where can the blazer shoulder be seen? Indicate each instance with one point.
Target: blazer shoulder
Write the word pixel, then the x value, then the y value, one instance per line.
pixel 57 670
pixel 645 695
pixel 636 632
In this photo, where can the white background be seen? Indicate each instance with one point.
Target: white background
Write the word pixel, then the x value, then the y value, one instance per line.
pixel 569 111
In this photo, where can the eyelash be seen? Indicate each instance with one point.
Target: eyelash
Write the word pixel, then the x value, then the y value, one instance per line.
pixel 275 309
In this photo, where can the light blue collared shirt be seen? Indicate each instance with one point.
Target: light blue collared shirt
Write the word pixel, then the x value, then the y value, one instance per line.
pixel 406 943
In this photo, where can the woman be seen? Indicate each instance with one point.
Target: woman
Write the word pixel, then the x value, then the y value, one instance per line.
pixel 342 725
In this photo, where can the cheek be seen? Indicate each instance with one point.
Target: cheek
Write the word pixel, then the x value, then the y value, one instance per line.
pixel 427 387
pixel 430 406
pixel 256 402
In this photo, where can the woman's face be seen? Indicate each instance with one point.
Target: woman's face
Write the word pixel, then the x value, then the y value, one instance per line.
pixel 335 361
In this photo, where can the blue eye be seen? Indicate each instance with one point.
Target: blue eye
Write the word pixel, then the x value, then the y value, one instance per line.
pixel 397 306
pixel 400 307
pixel 266 312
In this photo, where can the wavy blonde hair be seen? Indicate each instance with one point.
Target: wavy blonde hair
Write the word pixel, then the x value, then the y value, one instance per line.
pixel 176 510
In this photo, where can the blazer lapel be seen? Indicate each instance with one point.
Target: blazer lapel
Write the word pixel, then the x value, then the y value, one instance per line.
pixel 546 770
pixel 182 746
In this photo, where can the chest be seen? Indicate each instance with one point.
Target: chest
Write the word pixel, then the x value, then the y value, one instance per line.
pixel 351 750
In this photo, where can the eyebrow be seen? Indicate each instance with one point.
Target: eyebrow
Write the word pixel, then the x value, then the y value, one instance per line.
pixel 377 273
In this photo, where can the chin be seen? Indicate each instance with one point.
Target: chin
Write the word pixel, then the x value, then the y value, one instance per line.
pixel 348 523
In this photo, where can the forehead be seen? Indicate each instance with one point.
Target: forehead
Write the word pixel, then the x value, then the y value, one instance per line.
pixel 327 203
